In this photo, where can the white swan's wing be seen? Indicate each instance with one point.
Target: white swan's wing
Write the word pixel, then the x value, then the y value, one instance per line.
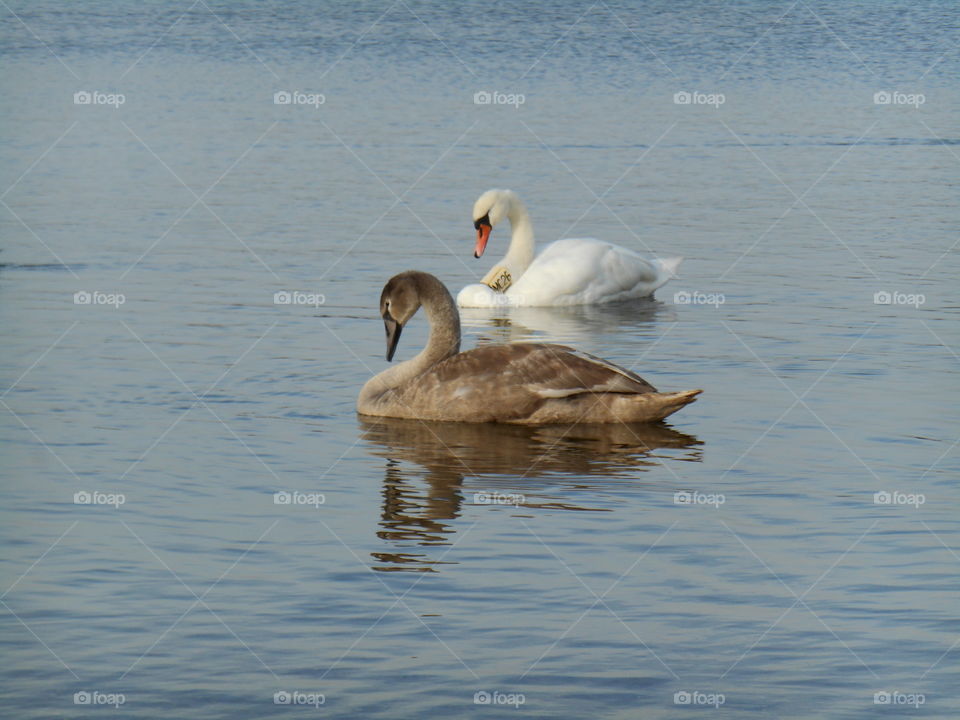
pixel 585 271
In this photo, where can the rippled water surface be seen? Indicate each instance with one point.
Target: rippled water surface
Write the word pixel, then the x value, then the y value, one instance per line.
pixel 787 546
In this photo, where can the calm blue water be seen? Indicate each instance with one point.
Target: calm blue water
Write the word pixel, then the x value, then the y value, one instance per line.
pixel 788 588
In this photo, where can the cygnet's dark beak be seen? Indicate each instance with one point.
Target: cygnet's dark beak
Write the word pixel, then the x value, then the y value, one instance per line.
pixel 393 329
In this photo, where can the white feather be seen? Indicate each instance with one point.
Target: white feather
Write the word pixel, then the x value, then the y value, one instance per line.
pixel 575 271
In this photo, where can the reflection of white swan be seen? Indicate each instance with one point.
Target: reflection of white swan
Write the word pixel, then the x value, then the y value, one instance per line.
pixel 521 383
pixel 567 272
pixel 575 324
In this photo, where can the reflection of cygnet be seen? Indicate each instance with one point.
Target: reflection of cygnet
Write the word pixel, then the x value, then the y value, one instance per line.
pixel 428 463
pixel 455 450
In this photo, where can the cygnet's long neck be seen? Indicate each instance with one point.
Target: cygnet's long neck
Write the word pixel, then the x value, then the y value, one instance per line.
pixel 520 254
pixel 444 321
pixel 444 340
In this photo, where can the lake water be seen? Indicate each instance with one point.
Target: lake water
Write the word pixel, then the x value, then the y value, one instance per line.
pixel 785 547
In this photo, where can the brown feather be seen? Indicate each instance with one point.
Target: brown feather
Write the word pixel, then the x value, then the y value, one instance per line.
pixel 522 383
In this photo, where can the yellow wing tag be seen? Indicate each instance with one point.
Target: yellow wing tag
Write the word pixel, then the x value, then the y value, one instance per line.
pixel 498 279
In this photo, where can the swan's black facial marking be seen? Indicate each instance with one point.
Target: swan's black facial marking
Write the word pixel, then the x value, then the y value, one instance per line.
pixel 485 220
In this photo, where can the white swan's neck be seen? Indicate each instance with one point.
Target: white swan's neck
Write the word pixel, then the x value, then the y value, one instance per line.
pixel 444 342
pixel 520 254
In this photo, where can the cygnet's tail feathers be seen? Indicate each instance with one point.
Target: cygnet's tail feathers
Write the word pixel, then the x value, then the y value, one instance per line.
pixel 669 403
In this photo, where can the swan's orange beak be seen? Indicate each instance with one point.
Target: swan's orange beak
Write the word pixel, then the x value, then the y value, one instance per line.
pixel 483 234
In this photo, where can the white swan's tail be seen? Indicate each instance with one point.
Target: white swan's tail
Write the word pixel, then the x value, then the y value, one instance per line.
pixel 670 266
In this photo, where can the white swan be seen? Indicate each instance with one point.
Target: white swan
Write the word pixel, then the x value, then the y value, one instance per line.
pixel 568 272
pixel 519 383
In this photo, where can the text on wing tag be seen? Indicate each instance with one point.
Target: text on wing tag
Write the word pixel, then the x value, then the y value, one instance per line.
pixel 498 279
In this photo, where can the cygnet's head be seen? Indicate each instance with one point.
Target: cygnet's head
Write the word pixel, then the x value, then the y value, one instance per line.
pixel 399 302
pixel 403 295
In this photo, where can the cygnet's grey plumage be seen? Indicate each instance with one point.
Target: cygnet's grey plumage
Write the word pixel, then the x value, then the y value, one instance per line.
pixel 523 383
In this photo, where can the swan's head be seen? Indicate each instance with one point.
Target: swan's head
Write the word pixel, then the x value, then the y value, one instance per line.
pixel 489 209
pixel 399 302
